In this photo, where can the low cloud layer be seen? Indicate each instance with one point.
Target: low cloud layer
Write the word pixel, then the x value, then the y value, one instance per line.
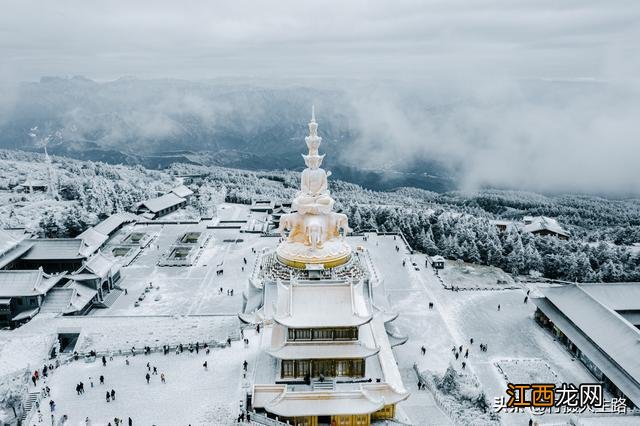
pixel 541 95
pixel 538 135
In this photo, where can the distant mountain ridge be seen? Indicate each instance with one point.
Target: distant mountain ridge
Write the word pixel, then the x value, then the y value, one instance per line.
pixel 156 123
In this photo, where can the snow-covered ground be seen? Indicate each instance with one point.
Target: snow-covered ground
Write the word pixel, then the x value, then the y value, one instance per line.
pixel 191 395
pixel 186 305
pixel 458 316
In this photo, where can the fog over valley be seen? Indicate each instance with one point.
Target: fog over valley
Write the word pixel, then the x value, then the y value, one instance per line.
pixel 441 95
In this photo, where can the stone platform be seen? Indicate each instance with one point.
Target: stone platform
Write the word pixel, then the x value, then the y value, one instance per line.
pixel 333 253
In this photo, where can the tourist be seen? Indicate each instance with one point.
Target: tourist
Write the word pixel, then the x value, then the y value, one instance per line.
pixel 245 364
pixel 147 377
pixel 130 422
pixel 456 355
pixel 466 353
pixel 205 365
pixel 77 389
pixel 102 380
pixel 423 350
pixel 148 367
pixel 155 370
pixel 108 397
pixel 104 361
pixel 498 307
pixel 526 298
pixel 113 395
pixel 228 341
pixel 34 380
pixel 464 364
pixel 162 378
pixel 471 341
pixel 52 406
pixel 126 361
pixel 87 421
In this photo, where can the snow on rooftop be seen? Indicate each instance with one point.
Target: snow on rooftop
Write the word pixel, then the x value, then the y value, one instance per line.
pixel 163 202
pixel 99 264
pixel 350 349
pixel 7 241
pixel 110 224
pixel 315 403
pixel 301 305
pixel 92 240
pixel 26 283
pixel 541 223
pixel 54 248
pixel 608 330
pixel 182 191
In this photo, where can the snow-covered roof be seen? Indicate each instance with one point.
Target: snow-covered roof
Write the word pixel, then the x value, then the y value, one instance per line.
pixel 437 258
pixel 17 252
pixel 82 295
pixel 71 298
pixel 388 364
pixel 99 264
pixel 314 403
pixel 54 248
pixel 14 283
pixel 8 241
pixel 302 305
pixel 114 221
pixel 282 349
pixel 182 191
pixel 543 223
pixel 28 314
pixel 92 240
pixel 94 237
pixel 160 203
pixel 595 327
pixel 616 296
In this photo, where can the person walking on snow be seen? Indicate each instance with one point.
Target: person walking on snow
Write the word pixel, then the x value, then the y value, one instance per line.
pixel 147 377
pixel 108 397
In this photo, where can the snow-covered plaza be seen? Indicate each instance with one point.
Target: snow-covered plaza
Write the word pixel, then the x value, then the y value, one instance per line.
pixel 186 306
pixel 191 393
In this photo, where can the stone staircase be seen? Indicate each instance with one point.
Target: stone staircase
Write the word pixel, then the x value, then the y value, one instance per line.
pixel 111 298
pixel 29 404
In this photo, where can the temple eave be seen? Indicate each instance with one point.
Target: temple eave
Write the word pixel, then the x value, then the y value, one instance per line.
pixel 323 350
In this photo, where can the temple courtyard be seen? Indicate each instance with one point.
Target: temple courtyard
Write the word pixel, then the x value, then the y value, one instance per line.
pixel 188 298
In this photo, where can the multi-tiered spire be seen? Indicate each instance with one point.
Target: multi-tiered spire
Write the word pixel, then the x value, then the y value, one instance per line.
pixel 314 229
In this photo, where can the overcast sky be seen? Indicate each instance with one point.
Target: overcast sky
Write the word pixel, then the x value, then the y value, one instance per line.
pixel 476 50
pixel 201 39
